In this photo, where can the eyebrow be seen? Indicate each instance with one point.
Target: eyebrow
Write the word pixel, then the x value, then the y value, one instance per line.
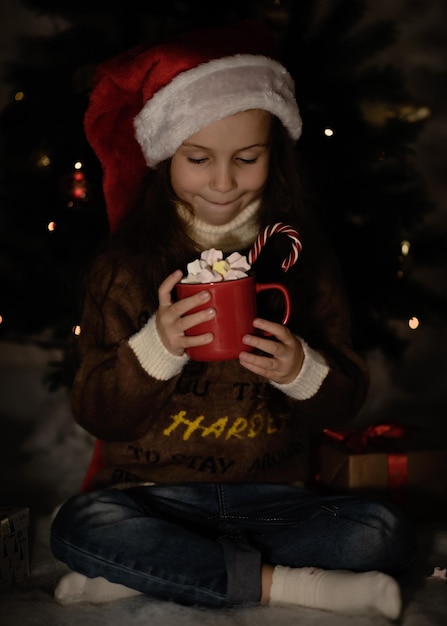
pixel 196 145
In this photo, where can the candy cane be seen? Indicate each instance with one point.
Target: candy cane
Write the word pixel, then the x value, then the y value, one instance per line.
pixel 268 231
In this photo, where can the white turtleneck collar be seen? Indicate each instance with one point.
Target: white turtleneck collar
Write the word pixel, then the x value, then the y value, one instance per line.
pixel 238 234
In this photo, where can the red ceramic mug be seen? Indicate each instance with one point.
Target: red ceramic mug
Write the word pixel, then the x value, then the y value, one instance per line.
pixel 235 305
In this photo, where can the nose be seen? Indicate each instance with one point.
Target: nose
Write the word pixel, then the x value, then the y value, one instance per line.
pixel 222 178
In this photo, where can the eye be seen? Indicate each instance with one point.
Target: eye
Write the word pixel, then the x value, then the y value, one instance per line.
pixel 248 161
pixel 197 161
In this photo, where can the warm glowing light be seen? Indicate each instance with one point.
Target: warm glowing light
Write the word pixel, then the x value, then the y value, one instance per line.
pixel 328 132
pixel 1 319
pixel 19 96
pixel 76 330
pixel 400 274
pixel 79 186
pixel 51 226
pixel 412 113
pixel 43 161
pixel 413 323
pixel 405 247
pixel 78 165
pixel 378 113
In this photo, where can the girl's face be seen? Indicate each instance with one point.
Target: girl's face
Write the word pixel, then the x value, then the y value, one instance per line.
pixel 221 169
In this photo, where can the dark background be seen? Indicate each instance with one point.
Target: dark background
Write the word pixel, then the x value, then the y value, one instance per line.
pixel 372 71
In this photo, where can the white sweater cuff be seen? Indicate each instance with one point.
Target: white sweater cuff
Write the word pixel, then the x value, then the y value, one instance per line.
pixel 310 378
pixel 152 355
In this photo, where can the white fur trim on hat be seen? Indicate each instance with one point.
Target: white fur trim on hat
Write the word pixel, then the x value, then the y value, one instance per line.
pixel 209 92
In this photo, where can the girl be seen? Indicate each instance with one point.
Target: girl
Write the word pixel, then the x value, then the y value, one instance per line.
pixel 198 489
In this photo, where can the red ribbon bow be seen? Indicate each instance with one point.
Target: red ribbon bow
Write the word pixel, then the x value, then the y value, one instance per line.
pixel 361 440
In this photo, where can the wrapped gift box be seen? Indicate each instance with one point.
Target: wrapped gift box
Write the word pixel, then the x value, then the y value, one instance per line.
pixel 14 551
pixel 384 462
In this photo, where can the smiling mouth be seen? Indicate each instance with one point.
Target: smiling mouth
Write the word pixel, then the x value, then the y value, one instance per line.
pixel 223 203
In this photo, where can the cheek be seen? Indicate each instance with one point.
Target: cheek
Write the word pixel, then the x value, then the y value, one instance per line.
pixel 181 183
pixel 258 178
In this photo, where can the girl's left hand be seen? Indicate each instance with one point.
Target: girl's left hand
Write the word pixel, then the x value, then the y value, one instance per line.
pixel 284 357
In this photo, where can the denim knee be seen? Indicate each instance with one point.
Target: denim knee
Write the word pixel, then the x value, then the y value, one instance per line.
pixel 397 538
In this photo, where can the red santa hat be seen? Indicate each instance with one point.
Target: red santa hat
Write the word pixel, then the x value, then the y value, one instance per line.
pixel 147 101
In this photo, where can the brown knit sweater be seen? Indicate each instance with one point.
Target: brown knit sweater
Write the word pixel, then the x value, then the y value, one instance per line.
pixel 163 418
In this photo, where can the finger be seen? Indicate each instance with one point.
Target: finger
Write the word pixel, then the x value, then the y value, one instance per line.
pixel 166 287
pixel 263 366
pixel 269 346
pixel 281 332
pixel 198 300
pixel 194 319
pixel 192 341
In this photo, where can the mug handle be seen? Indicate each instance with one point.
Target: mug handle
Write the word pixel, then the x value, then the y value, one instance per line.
pixel 264 286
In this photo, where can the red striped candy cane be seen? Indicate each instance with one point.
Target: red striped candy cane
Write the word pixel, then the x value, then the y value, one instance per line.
pixel 268 231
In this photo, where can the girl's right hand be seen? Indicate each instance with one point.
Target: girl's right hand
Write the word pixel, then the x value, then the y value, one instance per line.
pixel 172 320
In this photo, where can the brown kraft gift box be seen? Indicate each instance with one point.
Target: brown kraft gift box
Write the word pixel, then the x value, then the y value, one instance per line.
pixel 385 463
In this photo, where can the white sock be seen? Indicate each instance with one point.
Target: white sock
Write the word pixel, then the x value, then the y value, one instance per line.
pixel 75 587
pixel 341 591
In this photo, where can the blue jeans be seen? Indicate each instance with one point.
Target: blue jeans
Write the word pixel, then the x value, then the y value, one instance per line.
pixel 205 543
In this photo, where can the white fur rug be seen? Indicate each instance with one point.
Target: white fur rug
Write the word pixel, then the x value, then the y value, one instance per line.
pixel 43 456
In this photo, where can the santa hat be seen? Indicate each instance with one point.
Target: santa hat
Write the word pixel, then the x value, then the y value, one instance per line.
pixel 147 101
